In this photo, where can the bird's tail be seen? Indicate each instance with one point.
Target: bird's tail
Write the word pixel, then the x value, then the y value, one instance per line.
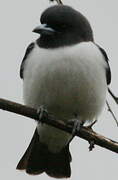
pixel 37 159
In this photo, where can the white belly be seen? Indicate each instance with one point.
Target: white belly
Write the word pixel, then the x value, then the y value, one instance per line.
pixel 68 81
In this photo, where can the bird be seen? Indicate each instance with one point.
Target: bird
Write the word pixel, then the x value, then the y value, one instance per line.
pixel 67 73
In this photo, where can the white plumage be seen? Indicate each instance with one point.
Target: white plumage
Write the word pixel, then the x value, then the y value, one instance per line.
pixel 67 81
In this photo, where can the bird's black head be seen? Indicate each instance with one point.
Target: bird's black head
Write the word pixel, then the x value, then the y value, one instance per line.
pixel 63 26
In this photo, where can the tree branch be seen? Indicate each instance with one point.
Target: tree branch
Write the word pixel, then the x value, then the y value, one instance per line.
pixel 85 133
pixel 112 113
pixel 58 1
pixel 113 96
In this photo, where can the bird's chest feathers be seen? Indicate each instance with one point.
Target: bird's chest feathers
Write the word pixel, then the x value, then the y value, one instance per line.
pixel 63 75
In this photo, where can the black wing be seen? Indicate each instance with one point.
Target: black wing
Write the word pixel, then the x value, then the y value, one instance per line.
pixel 108 71
pixel 28 51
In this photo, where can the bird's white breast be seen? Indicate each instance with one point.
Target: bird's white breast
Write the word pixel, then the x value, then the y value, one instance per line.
pixel 66 80
pixel 69 80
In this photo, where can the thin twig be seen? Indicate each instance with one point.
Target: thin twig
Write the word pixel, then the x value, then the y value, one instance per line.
pixel 84 132
pixel 58 1
pixel 110 110
pixel 113 96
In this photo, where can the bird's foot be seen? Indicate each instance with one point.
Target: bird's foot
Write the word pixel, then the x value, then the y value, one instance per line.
pixel 75 124
pixel 42 113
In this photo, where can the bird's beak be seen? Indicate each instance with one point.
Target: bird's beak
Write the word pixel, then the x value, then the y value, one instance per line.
pixel 44 29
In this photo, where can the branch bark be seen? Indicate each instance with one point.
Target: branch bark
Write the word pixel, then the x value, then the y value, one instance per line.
pixel 85 133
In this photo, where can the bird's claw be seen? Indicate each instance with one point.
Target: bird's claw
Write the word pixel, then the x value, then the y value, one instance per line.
pixel 42 113
pixel 76 124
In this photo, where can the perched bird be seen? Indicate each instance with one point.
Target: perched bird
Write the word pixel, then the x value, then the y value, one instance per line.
pixel 66 72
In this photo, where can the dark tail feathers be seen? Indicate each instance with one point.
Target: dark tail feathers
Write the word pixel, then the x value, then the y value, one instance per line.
pixel 37 159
